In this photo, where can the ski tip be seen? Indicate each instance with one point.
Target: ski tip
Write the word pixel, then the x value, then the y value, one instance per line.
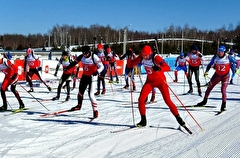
pixel 219 112
pixel 187 129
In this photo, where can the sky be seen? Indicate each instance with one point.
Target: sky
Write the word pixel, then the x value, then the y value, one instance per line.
pixel 27 134
pixel 32 16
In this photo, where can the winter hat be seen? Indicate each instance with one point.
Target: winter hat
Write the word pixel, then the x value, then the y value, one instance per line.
pixel 99 46
pixel 146 50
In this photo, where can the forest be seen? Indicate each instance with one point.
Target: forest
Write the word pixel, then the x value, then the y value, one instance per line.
pixel 63 36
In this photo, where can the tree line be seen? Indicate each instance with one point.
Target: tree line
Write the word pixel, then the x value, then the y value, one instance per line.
pixel 66 35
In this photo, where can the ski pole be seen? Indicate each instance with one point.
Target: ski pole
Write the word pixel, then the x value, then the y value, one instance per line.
pixel 9 105
pixel 131 90
pixel 139 74
pixel 184 82
pixel 183 105
pixel 203 74
pixel 34 97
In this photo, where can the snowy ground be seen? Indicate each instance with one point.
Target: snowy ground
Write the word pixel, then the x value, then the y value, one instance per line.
pixel 27 134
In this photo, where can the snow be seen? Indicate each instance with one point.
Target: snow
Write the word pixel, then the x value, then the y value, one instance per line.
pixel 27 134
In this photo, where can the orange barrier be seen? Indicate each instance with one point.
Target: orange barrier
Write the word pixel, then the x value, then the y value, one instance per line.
pixel 120 65
pixel 49 68
pixel 20 64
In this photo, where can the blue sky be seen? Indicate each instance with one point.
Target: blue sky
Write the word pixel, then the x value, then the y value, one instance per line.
pixel 36 16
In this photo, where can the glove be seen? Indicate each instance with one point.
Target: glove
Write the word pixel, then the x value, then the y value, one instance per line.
pixel 39 68
pixel 129 52
pixel 156 68
pixel 108 58
pixel 175 65
pixel 13 76
pixel 205 74
pixel 236 71
pixel 66 69
pixel 95 73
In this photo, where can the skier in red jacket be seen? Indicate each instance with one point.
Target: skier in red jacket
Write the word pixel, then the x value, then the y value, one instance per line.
pixel 155 67
pixel 11 77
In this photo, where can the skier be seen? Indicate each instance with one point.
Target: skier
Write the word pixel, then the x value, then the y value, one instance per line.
pixel 65 60
pixel 129 70
pixel 33 63
pixel 194 59
pixel 92 66
pixel 221 63
pixel 180 64
pixel 11 78
pixel 155 67
pixel 101 78
pixel 111 58
pixel 234 65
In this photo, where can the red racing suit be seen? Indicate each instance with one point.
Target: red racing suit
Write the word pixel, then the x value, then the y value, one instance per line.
pixel 154 79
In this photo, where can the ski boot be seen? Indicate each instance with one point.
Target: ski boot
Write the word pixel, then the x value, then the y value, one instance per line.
pixel 67 98
pixel 117 80
pixel 126 87
pixel 103 91
pixel 97 93
pixel 223 107
pixel 21 105
pixel 134 86
pixel 30 90
pixel 202 103
pixel 143 121
pixel 180 121
pixel 176 80
pixel 78 107
pixel 55 98
pixel 95 114
pixel 190 91
pixel 199 92
pixel 3 108
pixel 49 88
pixel 152 98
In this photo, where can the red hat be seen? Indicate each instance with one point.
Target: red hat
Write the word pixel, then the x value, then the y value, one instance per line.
pixel 146 50
pixel 108 50
pixel 99 46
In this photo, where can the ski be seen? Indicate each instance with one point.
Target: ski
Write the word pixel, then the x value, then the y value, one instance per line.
pixel 91 119
pixel 114 82
pixel 129 103
pixel 172 128
pixel 57 113
pixel 196 106
pixel 15 111
pixel 41 100
pixel 205 85
pixel 137 127
pixel 187 129
pixel 64 101
pixel 218 113
pixel 125 129
pixel 5 110
pixel 191 94
pixel 150 102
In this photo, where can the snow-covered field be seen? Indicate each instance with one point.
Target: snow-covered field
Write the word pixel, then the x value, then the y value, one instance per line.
pixel 27 134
